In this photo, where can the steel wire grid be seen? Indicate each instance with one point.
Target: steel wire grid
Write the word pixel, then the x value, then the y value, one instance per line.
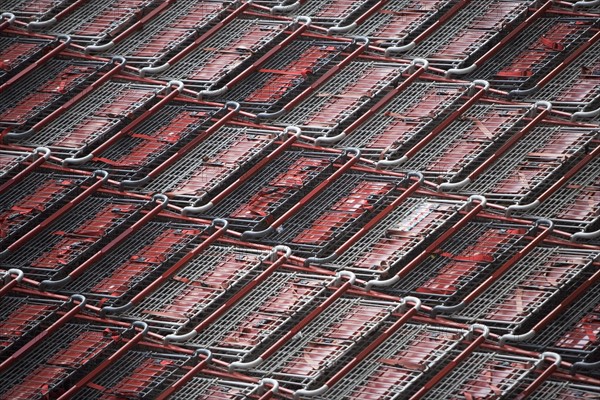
pixel 204 282
pixel 138 374
pixel 395 368
pixel 537 283
pixel 261 316
pixel 576 204
pixel 168 32
pixel 16 52
pixel 43 89
pixel 273 189
pixel 574 334
pixel 214 389
pixel 342 97
pixel 338 211
pixel 73 237
pixel 64 355
pixel 221 54
pixel 578 88
pixel 401 234
pixel 10 162
pixel 219 158
pixel 484 375
pixel 462 261
pixel 30 10
pixel 471 32
pixel 554 390
pixel 465 141
pixel 96 21
pixel 340 329
pixel 538 49
pixel 20 318
pixel 399 21
pixel 152 141
pixel 92 119
pixel 26 202
pixel 290 69
pixel 404 119
pixel 532 164
pixel 144 255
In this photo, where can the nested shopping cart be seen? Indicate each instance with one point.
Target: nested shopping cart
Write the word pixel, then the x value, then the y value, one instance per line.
pixel 392 24
pixel 258 318
pixel 165 34
pixel 136 373
pixel 71 234
pixel 573 201
pixel 144 255
pixel 34 10
pixel 204 166
pixel 559 390
pixel 577 90
pixel 206 64
pixel 50 366
pixel 17 165
pixel 457 259
pixel 402 233
pixel 22 317
pixel 486 374
pixel 532 164
pixel 43 90
pixel 289 70
pixel 268 193
pixel 11 163
pixel 18 52
pixel 397 366
pixel 538 282
pixel 26 203
pixel 192 286
pixel 462 143
pixel 150 139
pixel 403 120
pixel 322 12
pixel 93 119
pixel 536 51
pixel 319 110
pixel 96 23
pixel 214 388
pixel 572 330
pixel 329 214
pixel 470 32
pixel 324 343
